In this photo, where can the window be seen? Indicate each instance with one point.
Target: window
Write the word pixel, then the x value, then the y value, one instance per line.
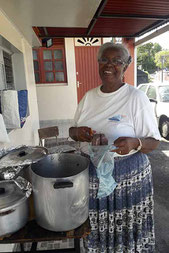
pixel 8 71
pixel 49 65
pixel 164 93
pixel 2 77
pixel 36 64
pixel 151 93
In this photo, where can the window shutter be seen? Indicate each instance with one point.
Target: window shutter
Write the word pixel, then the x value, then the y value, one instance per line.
pixel 8 71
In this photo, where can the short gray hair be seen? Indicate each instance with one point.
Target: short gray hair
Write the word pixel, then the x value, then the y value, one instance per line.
pixel 114 46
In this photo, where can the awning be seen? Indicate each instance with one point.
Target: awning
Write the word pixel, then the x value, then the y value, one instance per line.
pixel 116 18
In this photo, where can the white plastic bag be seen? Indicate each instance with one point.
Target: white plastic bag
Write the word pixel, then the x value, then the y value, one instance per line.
pixel 103 160
pixel 3 133
pixel 10 109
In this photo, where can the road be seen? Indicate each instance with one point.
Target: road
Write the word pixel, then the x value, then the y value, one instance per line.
pixel 160 166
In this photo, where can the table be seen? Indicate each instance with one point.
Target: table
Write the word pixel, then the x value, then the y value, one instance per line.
pixel 32 232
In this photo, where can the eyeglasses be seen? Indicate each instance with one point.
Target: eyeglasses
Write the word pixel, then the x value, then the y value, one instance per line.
pixel 113 61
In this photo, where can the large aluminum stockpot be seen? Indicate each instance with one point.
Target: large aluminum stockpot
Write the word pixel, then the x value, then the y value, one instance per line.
pixel 13 207
pixel 60 185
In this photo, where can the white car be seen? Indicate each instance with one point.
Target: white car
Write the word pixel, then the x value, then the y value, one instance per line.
pixel 158 94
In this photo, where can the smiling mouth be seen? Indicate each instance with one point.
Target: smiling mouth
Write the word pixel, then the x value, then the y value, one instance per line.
pixel 107 72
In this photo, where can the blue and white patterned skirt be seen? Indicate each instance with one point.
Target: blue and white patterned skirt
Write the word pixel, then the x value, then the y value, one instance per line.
pixel 123 222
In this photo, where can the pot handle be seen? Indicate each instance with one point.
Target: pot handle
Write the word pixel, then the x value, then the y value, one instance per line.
pixel 7 212
pixel 2 190
pixel 62 184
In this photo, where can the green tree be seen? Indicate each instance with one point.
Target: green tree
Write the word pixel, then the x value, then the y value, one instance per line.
pixel 162 59
pixel 146 56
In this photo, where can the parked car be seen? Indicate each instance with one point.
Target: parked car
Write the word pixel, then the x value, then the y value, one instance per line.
pixel 158 94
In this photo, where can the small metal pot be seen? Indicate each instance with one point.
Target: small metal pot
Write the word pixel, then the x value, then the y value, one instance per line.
pixel 13 207
pixel 60 185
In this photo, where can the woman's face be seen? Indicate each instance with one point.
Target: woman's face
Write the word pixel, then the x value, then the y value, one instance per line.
pixel 112 66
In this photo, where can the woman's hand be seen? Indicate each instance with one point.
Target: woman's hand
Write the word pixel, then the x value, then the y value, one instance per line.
pixel 81 133
pixel 126 144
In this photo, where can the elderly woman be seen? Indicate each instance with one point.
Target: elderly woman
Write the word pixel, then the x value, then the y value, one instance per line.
pixel 123 221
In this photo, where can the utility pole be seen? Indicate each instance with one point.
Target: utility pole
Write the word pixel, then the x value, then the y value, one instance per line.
pixel 162 61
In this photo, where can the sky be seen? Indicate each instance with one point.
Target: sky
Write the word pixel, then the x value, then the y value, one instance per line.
pixel 162 39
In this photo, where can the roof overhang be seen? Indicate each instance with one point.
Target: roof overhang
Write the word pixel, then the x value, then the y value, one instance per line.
pixel 115 18
pixel 152 35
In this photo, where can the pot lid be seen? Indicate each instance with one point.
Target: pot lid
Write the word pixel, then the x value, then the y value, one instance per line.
pixel 13 160
pixel 10 195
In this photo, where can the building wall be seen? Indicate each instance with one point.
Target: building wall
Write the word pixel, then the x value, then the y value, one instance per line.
pixel 58 101
pixel 28 134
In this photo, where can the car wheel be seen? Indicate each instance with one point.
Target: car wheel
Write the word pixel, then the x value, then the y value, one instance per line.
pixel 164 128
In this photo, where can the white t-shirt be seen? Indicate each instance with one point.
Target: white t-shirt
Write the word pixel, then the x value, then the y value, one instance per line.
pixel 128 103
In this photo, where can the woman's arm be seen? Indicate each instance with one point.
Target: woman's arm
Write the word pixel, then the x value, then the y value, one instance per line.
pixel 126 144
pixel 149 144
pixel 81 133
